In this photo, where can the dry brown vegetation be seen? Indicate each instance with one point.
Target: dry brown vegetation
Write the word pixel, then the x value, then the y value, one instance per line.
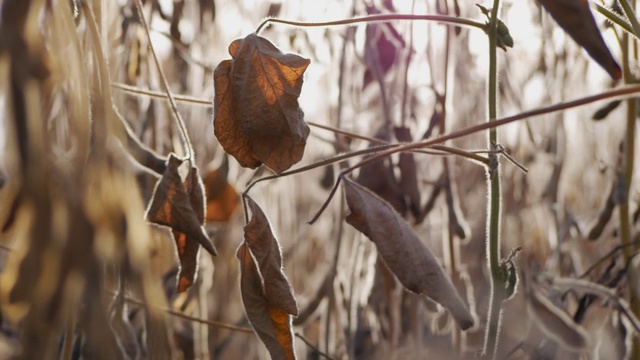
pixel 132 229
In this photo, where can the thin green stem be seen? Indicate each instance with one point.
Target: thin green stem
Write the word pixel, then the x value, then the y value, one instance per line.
pixel 449 20
pixel 631 16
pixel 615 18
pixel 629 154
pixel 493 246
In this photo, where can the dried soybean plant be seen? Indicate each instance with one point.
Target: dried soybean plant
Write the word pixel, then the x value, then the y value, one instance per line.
pixel 102 141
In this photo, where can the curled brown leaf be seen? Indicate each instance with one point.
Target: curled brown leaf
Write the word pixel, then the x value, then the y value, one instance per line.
pixel 171 206
pixel 265 248
pixel 271 324
pixel 402 250
pixel 187 246
pixel 257 118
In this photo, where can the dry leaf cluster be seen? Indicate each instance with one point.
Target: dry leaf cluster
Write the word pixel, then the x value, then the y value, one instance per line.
pixel 129 141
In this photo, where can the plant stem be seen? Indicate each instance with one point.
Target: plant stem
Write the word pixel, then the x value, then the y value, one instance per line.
pixel 450 20
pixel 629 152
pixel 493 247
pixel 615 18
pixel 622 92
pixel 631 15
pixel 181 125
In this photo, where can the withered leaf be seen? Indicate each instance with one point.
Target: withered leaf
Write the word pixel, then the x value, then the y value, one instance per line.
pixel 576 19
pixel 265 248
pixel 408 173
pixel 379 177
pixel 195 189
pixel 257 118
pixel 271 323
pixel 604 111
pixel 402 250
pixel 188 249
pixel 171 206
pixel 222 198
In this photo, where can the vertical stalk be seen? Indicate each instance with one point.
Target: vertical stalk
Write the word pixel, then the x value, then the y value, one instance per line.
pixel 625 223
pixel 493 246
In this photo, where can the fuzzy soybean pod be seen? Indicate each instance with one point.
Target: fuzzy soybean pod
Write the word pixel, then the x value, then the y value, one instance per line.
pixel 403 251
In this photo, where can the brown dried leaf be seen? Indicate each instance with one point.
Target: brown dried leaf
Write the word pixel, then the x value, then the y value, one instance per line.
pixel 256 114
pixel 402 250
pixel 576 19
pixel 195 189
pixel 271 323
pixel 188 249
pixel 171 206
pixel 556 323
pixel 222 198
pixel 265 248
pixel 379 177
pixel 408 173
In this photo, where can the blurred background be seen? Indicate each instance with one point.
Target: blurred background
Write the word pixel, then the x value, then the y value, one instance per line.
pixel 75 284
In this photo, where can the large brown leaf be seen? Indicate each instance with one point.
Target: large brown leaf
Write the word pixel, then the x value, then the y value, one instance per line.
pixel 271 323
pixel 402 250
pixel 575 18
pixel 171 206
pixel 265 248
pixel 257 118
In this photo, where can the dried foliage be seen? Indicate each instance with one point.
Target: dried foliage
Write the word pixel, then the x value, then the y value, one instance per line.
pixel 266 293
pixel 128 143
pixel 179 204
pixel 257 118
